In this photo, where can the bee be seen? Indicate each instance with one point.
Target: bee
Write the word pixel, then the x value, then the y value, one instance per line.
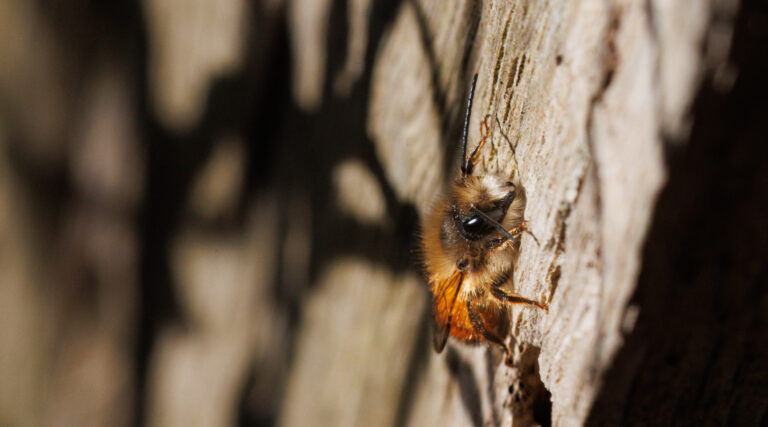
pixel 470 241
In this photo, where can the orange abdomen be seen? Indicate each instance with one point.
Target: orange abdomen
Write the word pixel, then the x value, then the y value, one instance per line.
pixel 460 325
pixel 452 313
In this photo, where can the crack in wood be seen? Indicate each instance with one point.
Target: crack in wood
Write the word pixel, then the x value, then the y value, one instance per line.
pixel 610 62
pixel 500 56
pixel 529 400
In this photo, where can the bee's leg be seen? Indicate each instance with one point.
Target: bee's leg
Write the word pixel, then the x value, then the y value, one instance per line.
pixel 484 133
pixel 501 295
pixel 510 237
pixel 479 325
pixel 516 232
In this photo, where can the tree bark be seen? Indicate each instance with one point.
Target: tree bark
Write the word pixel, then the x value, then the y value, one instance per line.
pixel 591 94
pixel 209 211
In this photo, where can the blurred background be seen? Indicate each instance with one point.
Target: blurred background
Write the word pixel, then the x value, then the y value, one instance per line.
pixel 177 176
pixel 169 172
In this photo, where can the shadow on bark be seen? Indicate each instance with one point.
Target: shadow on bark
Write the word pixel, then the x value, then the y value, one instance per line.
pixel 698 353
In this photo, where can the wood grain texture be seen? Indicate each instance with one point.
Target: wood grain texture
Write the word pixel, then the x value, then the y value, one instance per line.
pixel 585 91
pixel 209 211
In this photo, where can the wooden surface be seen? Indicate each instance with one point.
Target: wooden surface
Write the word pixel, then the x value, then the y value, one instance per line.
pixel 209 213
pixel 588 91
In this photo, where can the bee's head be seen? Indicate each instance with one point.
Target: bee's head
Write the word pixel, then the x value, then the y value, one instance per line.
pixel 480 204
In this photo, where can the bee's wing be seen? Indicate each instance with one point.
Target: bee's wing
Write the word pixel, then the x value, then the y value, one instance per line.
pixel 446 293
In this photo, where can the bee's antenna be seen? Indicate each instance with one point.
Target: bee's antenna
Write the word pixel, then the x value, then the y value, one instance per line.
pixel 466 168
pixel 490 221
pixel 512 146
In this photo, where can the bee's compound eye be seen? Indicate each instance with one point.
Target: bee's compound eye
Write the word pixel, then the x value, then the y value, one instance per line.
pixel 473 225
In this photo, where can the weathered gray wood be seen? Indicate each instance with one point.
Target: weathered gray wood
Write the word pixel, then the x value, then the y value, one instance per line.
pixel 585 90
pixel 208 211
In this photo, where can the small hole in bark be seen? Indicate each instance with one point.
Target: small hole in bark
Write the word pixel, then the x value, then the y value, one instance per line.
pixel 672 359
pixel 542 398
pixel 559 59
pixel 531 401
pixel 542 407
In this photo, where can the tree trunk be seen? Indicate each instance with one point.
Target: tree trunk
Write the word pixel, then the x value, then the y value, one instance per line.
pixel 592 94
pixel 210 210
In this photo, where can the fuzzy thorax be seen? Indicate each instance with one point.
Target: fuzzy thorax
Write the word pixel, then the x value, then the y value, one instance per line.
pixel 446 247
